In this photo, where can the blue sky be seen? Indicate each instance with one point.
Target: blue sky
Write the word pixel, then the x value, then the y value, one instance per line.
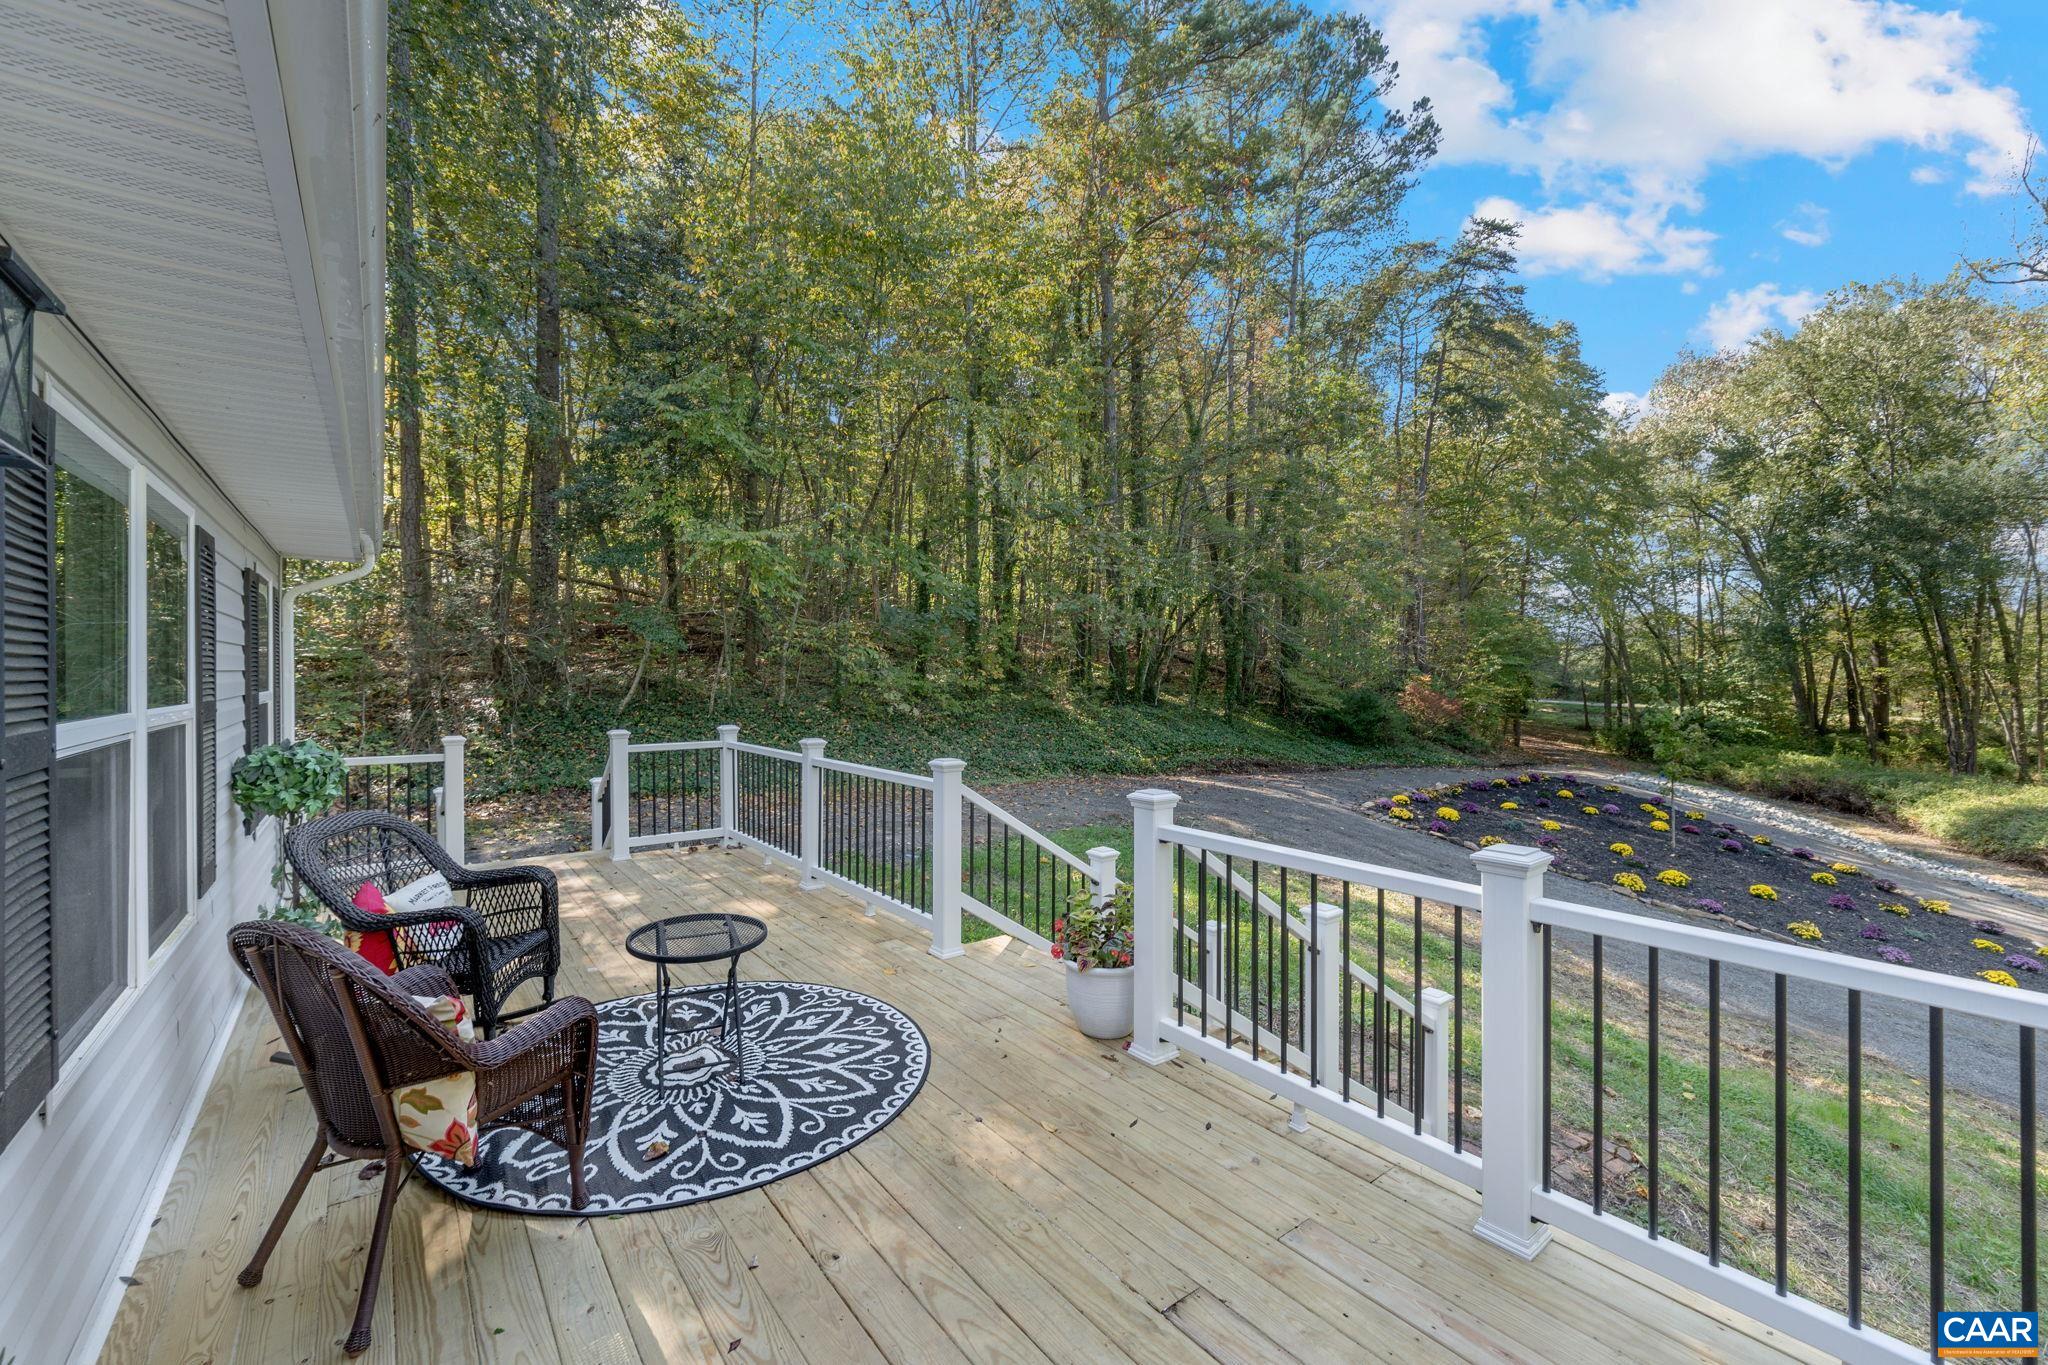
pixel 1690 170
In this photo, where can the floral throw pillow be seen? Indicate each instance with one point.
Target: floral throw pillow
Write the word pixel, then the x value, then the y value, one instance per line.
pixel 439 1116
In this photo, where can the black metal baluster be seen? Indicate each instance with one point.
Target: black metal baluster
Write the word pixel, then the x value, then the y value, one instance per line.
pixel 1547 1156
pixel 1457 1028
pixel 2029 1214
pixel 1778 1121
pixel 1714 1111
pixel 1655 1059
pixel 1285 934
pixel 1379 1004
pixel 1855 1158
pixel 1599 1073
pixel 1202 930
pixel 1313 1037
pixel 1937 1177
pixel 1415 1040
pixel 1258 915
pixel 1229 950
pixel 1343 975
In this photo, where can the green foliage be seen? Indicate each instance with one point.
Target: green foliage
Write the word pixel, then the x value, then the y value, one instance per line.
pixel 290 780
pixel 1095 932
pixel 1365 716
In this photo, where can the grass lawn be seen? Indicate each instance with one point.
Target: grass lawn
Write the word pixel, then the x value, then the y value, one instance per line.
pixel 1982 1224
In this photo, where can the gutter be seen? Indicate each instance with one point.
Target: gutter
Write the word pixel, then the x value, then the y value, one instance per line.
pixel 288 634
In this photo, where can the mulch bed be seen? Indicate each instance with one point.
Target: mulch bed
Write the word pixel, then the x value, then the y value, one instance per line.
pixel 1602 832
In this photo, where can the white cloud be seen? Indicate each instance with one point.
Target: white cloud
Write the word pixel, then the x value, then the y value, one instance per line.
pixel 1623 406
pixel 1808 226
pixel 1629 106
pixel 1742 313
pixel 1928 175
pixel 1598 240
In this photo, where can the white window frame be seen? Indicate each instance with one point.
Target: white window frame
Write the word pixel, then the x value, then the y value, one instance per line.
pixel 135 726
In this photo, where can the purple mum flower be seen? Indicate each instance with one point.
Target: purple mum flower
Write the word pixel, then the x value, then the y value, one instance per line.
pixel 1611 808
pixel 1688 829
pixel 1548 841
pixel 2021 963
pixel 1987 926
pixel 1477 784
pixel 1842 902
pixel 1383 803
pixel 1711 906
pixel 1803 854
pixel 1543 803
pixel 1439 827
pixel 1896 955
pixel 1873 931
pixel 1469 807
pixel 1885 884
pixel 1731 846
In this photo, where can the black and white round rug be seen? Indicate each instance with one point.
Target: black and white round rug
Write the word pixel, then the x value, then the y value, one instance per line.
pixel 825 1068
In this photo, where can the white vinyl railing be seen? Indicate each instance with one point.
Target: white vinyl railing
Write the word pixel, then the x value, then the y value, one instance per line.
pixel 1304 1046
pixel 446 805
pixel 911 844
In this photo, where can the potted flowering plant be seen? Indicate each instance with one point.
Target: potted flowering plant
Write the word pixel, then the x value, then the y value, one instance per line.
pixel 1093 939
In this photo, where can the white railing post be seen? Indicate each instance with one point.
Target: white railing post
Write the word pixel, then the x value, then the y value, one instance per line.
pixel 946 856
pixel 1152 924
pixel 1332 979
pixel 1511 1039
pixel 810 811
pixel 621 793
pixel 1102 872
pixel 597 799
pixel 1433 1015
pixel 728 784
pixel 454 809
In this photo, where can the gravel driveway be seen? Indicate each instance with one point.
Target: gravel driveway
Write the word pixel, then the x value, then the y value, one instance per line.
pixel 1325 811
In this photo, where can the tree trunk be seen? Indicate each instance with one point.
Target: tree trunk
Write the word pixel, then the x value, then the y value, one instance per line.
pixel 544 436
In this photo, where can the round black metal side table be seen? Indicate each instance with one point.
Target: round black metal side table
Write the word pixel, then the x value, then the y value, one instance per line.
pixel 682 940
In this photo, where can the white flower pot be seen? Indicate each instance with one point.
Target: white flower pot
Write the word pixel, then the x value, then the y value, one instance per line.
pixel 1101 1000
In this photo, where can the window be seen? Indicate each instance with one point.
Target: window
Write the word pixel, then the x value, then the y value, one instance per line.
pixel 170 838
pixel 92 578
pixel 168 602
pixel 89 891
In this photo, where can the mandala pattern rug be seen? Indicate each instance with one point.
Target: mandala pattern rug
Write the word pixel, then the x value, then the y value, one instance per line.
pixel 825 1068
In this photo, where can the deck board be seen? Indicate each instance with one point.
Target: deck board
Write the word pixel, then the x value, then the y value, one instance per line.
pixel 1044 1198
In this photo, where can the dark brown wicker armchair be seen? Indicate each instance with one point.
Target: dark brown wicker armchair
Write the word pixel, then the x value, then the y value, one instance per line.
pixel 504 935
pixel 357 1037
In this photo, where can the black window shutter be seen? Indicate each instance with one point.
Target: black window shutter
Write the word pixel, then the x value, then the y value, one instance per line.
pixel 271 728
pixel 252 661
pixel 206 616
pixel 28 1016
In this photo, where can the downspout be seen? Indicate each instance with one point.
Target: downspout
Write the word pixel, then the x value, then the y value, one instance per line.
pixel 288 634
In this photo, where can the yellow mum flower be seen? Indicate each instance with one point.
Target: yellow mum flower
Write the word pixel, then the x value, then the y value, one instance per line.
pixel 1648 806
pixel 1489 840
pixel 1628 881
pixel 1895 908
pixel 1610 787
pixel 1763 839
pixel 1671 876
pixel 1935 907
pixel 1510 805
pixel 1589 810
pixel 1764 892
pixel 1987 945
pixel 1449 813
pixel 1551 827
pixel 1695 815
pixel 1565 793
pixel 1998 978
pixel 1402 813
pixel 1823 879
pixel 1402 799
pixel 1621 850
pixel 1804 928
pixel 1500 781
pixel 1661 826
pixel 1846 869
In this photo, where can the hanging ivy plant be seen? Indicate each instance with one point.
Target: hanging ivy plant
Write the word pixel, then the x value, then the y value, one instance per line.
pixel 292 782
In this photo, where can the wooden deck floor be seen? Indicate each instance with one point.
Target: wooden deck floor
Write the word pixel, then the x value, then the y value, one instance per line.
pixel 1044 1198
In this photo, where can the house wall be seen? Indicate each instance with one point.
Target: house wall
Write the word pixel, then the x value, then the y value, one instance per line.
pixel 79 1183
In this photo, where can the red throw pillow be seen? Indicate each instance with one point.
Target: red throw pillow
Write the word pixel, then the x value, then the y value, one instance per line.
pixel 374 946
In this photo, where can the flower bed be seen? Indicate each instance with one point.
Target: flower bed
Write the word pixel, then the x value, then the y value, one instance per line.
pixel 1600 832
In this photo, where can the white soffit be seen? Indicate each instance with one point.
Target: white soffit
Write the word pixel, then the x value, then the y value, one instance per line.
pixel 200 182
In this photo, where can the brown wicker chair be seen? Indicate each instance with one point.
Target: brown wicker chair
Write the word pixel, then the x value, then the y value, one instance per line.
pixel 357 1037
pixel 503 936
